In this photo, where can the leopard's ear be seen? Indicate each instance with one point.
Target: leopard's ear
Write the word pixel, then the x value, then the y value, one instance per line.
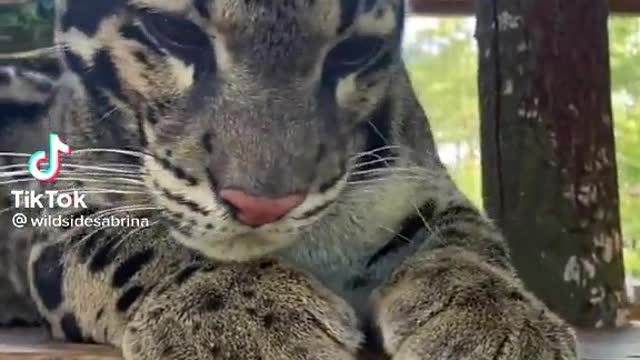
pixel 24 102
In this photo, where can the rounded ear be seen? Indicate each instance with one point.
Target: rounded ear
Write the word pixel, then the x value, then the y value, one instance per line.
pixel 24 101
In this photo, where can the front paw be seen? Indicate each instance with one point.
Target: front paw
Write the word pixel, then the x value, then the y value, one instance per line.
pixel 259 310
pixel 454 306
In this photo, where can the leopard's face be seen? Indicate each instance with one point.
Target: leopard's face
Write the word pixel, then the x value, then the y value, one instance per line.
pixel 254 112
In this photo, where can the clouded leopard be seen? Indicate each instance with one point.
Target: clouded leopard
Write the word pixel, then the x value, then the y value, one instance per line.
pixel 296 206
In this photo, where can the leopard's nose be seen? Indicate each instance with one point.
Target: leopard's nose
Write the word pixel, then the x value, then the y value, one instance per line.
pixel 259 210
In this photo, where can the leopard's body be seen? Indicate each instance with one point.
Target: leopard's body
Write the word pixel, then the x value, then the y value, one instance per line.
pixel 167 103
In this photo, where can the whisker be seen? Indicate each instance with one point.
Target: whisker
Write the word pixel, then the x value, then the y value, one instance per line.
pixel 114 151
pixel 13 166
pixel 101 168
pixel 16 181
pixel 48 52
pixel 24 168
pixel 370 152
pixel 11 174
pixel 372 162
pixel 129 210
pixel 396 234
pixel 122 174
pixel 424 220
pixel 107 114
pixel 106 191
pixel 91 175
pixel 111 211
pixel 390 170
pixel 132 232
pixel 377 131
pixel 108 165
pixel 89 235
pixel 380 180
pixel 111 180
pixel 12 154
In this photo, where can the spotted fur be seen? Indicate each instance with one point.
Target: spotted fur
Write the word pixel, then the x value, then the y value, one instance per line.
pixel 180 99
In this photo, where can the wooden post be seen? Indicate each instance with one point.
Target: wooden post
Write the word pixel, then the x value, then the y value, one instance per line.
pixel 549 166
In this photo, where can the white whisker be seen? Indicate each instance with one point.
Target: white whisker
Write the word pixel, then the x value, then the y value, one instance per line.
pixel 120 181
pixel 114 151
pixel 394 233
pixel 11 154
pixel 391 170
pixel 91 175
pixel 120 209
pixel 380 180
pixel 10 174
pixel 124 192
pixel 372 162
pixel 107 114
pixel 100 168
pixel 424 220
pixel 13 166
pixel 135 230
pixel 370 152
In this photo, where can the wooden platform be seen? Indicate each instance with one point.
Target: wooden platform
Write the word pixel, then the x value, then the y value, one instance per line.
pixel 32 344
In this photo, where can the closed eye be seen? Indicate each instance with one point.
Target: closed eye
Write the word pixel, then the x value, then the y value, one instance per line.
pixel 174 32
pixel 351 54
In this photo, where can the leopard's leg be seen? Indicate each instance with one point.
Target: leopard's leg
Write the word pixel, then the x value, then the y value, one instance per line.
pixel 458 296
pixel 155 299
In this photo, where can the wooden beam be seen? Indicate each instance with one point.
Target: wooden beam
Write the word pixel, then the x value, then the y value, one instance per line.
pixel 466 7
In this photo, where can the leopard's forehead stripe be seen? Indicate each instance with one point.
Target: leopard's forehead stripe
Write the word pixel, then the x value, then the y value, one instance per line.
pixel 92 28
pixel 376 16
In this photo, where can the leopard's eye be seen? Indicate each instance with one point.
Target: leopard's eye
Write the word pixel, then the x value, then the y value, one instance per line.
pixel 174 32
pixel 352 53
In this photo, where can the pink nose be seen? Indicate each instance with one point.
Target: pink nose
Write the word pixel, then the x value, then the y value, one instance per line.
pixel 258 210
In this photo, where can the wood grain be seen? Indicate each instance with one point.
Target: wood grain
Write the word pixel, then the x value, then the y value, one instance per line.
pixel 33 344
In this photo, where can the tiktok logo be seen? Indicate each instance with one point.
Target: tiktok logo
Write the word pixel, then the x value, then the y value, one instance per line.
pixel 56 147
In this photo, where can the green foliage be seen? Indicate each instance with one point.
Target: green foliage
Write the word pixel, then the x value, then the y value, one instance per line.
pixel 26 27
pixel 625 73
pixel 442 61
pixel 632 262
pixel 24 17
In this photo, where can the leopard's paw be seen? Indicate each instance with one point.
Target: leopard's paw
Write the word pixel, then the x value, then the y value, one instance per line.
pixel 259 310
pixel 459 308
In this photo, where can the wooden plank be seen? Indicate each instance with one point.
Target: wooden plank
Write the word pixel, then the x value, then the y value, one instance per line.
pixel 611 344
pixel 32 344
pixel 466 7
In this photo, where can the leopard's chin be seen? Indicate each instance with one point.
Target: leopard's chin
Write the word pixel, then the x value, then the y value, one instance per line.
pixel 245 246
